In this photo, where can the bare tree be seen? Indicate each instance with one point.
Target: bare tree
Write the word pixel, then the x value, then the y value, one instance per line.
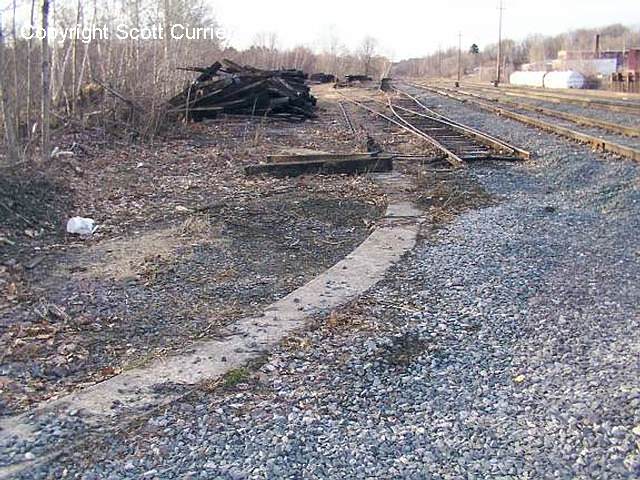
pixel 46 90
pixel 265 46
pixel 366 53
pixel 167 27
pixel 74 62
pixel 29 80
pixel 14 38
pixel 7 114
pixel 331 49
pixel 76 74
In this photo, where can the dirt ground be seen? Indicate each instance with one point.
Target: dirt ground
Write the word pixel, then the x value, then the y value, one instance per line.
pixel 185 244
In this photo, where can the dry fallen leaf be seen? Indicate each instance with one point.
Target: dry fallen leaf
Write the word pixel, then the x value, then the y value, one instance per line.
pixel 67 348
pixel 109 371
pixel 12 291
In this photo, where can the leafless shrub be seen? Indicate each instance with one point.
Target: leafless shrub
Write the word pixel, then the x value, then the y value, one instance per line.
pixel 93 79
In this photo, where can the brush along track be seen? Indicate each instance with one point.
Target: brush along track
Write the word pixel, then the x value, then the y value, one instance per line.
pixel 457 142
pixel 597 142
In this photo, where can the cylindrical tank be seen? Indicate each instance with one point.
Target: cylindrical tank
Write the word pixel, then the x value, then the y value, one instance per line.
pixel 528 79
pixel 564 79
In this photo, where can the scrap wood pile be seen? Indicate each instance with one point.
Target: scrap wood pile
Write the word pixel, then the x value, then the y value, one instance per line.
pixel 322 77
pixel 353 80
pixel 242 90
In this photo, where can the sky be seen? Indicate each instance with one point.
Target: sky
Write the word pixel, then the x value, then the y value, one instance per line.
pixel 406 29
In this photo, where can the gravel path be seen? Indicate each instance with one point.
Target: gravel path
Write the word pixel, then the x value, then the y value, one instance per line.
pixel 505 346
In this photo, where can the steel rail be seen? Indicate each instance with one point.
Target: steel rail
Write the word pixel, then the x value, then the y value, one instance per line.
pixel 629 100
pixel 346 118
pixel 621 106
pixel 577 119
pixel 597 143
pixel 615 106
pixel 579 93
pixel 457 141
pixel 510 154
pixel 470 131
pixel 450 156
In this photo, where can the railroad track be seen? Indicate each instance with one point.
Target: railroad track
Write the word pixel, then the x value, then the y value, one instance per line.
pixel 629 97
pixel 577 119
pixel 346 118
pixel 597 142
pixel 611 104
pixel 457 142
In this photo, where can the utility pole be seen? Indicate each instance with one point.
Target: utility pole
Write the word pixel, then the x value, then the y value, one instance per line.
pixel 499 59
pixel 459 56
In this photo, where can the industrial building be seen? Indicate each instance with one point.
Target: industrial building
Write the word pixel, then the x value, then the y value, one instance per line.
pixel 613 69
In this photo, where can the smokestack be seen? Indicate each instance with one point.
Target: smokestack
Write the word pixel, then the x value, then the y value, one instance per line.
pixel 596 52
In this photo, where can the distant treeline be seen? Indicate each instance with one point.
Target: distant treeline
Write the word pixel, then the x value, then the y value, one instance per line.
pixel 533 48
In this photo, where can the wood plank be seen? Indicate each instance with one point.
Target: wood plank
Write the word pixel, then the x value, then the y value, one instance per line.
pixel 313 157
pixel 327 166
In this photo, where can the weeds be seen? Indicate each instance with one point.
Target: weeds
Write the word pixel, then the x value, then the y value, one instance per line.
pixel 235 377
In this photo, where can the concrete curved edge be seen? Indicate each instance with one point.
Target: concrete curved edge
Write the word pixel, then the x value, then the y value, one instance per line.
pixel 395 235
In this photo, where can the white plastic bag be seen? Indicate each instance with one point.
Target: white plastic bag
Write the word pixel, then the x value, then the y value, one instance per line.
pixel 81 226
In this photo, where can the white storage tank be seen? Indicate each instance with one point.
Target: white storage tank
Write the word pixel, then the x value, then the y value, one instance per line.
pixel 528 79
pixel 564 79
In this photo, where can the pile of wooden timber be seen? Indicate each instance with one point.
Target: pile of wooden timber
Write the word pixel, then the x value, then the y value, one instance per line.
pixel 386 84
pixel 242 90
pixel 357 78
pixel 353 80
pixel 322 78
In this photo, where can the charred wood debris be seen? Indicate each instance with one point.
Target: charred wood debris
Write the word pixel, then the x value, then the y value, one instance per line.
pixel 322 78
pixel 229 88
pixel 353 80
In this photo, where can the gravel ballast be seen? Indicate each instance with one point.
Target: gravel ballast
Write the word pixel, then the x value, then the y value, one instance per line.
pixel 505 346
pixel 622 118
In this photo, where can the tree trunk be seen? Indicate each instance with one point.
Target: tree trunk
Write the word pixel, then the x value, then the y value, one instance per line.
pixel 167 40
pixel 46 90
pixel 74 63
pixel 53 57
pixel 58 73
pixel 29 80
pixel 5 107
pixel 85 56
pixel 16 93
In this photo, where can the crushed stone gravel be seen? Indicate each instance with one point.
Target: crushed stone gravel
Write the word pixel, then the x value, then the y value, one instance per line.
pixel 504 346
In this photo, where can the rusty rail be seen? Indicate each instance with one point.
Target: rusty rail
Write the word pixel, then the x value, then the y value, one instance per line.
pixel 559 98
pixel 458 142
pixel 577 119
pixel 597 143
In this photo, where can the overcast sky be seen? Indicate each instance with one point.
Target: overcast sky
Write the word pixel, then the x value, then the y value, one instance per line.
pixel 413 28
